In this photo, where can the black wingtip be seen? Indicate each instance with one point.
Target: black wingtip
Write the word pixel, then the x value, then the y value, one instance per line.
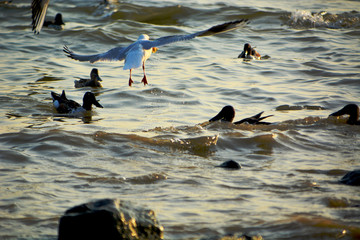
pixel 67 51
pixel 224 27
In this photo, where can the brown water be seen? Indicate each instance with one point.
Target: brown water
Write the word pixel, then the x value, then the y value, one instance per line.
pixel 151 145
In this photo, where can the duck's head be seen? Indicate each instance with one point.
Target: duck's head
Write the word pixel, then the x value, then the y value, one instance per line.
pixel 143 37
pixel 89 99
pixel 94 75
pixel 352 110
pixel 247 48
pixel 227 114
pixel 58 19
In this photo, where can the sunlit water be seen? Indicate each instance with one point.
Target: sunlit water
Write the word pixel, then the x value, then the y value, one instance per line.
pixel 151 145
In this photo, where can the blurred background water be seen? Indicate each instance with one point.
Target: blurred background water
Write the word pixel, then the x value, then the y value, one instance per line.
pixel 151 145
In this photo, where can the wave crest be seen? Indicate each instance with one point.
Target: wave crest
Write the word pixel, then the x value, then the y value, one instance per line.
pixel 307 19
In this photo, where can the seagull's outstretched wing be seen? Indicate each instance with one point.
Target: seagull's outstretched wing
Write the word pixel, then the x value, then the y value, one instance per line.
pixel 228 26
pixel 115 54
pixel 38 8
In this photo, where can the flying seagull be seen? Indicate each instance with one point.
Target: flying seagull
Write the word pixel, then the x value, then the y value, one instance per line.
pixel 38 9
pixel 138 52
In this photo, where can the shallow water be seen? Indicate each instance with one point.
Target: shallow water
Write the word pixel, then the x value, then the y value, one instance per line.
pixel 152 145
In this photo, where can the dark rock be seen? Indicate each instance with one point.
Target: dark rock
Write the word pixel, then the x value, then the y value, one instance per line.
pixel 109 219
pixel 351 178
pixel 230 165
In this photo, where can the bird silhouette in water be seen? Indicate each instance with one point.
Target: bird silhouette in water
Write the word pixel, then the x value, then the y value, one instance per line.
pixel 352 110
pixel 227 114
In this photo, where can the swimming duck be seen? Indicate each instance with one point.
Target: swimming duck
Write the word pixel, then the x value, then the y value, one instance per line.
pixel 249 52
pixel 64 105
pixel 94 80
pixel 58 24
pixel 352 110
pixel 138 52
pixel 227 114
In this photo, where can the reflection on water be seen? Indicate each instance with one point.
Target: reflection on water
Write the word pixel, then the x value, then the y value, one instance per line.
pixel 154 145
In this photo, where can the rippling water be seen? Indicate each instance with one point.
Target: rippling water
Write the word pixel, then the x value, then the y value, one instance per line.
pixel 152 145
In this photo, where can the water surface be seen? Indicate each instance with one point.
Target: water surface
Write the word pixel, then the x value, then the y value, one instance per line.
pixel 151 145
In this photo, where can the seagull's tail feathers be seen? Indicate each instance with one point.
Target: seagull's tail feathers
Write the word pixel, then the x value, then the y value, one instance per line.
pixel 225 27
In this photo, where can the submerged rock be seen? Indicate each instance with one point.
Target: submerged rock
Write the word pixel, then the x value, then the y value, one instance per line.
pixel 231 164
pixel 109 219
pixel 351 178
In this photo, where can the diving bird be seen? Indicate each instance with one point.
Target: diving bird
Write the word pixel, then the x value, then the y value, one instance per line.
pixel 64 105
pixel 227 114
pixel 352 110
pixel 138 52
pixel 94 80
pixel 249 52
pixel 38 9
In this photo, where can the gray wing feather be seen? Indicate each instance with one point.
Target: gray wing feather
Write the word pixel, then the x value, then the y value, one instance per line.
pixel 228 26
pixel 115 54
pixel 38 8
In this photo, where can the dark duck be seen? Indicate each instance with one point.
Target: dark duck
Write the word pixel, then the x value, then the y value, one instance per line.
pixel 57 24
pixel 352 110
pixel 94 80
pixel 249 52
pixel 227 114
pixel 64 105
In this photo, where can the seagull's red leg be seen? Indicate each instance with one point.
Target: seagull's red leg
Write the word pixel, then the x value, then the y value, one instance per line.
pixel 144 80
pixel 130 80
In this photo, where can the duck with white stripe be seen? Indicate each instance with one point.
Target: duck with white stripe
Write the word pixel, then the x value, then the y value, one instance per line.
pixel 64 105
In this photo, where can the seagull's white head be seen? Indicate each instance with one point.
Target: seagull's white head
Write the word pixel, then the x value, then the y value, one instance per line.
pixel 143 37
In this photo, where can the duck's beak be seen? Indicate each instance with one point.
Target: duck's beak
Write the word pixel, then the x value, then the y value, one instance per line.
pixel 154 49
pixel 335 114
pixel 99 79
pixel 217 117
pixel 96 103
pixel 338 113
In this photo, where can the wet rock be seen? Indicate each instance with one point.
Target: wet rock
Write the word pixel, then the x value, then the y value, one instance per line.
pixel 109 219
pixel 231 164
pixel 288 107
pixel 351 178
pixel 243 237
pixel 296 107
